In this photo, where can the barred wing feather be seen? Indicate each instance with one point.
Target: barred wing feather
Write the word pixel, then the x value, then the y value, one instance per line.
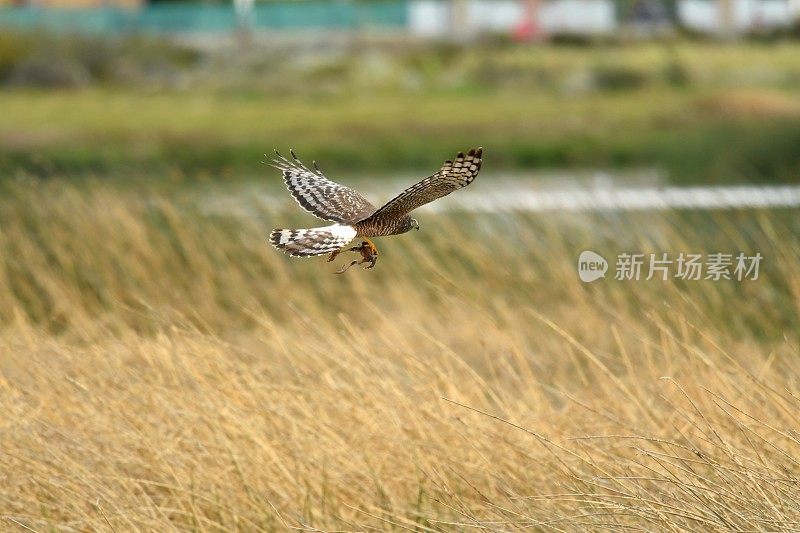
pixel 320 196
pixel 452 176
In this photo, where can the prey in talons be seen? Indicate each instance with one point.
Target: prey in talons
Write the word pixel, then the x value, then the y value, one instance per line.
pixel 368 251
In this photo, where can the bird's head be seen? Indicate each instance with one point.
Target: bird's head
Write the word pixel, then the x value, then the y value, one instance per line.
pixel 407 224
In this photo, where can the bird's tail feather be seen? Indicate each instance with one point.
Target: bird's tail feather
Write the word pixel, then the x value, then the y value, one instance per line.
pixel 312 241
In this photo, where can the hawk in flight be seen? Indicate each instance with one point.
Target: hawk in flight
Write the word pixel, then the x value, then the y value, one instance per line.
pixel 353 215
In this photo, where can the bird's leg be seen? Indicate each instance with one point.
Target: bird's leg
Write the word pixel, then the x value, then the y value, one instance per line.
pixel 369 254
pixel 340 250
pixel 359 262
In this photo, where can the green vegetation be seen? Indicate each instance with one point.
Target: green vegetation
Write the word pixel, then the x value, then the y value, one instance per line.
pixel 701 112
pixel 166 370
pixel 695 137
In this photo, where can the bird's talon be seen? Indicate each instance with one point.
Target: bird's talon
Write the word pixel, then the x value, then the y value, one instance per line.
pixel 369 254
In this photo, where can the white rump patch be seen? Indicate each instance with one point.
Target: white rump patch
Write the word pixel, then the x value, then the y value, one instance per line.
pixel 343 232
pixel 312 241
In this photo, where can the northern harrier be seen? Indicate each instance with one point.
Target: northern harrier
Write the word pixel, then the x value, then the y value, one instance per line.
pixel 353 215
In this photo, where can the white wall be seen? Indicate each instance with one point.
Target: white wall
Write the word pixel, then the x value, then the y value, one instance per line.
pixel 581 17
pixel 434 18
pixel 704 15
pixel 494 15
pixel 428 18
pixel 698 15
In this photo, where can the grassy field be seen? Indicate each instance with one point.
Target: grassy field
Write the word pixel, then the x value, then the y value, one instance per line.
pixel 702 112
pixel 717 137
pixel 165 370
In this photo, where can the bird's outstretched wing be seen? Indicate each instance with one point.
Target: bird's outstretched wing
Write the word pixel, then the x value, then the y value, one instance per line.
pixel 452 176
pixel 320 196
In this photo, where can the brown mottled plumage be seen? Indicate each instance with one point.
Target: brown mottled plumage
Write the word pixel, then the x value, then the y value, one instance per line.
pixel 353 215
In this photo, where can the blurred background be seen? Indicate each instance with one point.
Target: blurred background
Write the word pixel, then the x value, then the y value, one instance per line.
pixel 678 91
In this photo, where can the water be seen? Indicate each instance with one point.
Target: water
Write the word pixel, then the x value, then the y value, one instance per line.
pixel 540 193
pixel 521 198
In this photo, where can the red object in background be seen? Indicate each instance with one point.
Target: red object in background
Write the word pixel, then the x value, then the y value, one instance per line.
pixel 526 31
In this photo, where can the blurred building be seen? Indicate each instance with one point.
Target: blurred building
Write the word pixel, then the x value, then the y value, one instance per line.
pixel 436 18
pixel 736 16
pixel 440 19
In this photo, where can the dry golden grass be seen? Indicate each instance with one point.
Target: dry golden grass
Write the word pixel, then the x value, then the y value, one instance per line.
pixel 166 370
